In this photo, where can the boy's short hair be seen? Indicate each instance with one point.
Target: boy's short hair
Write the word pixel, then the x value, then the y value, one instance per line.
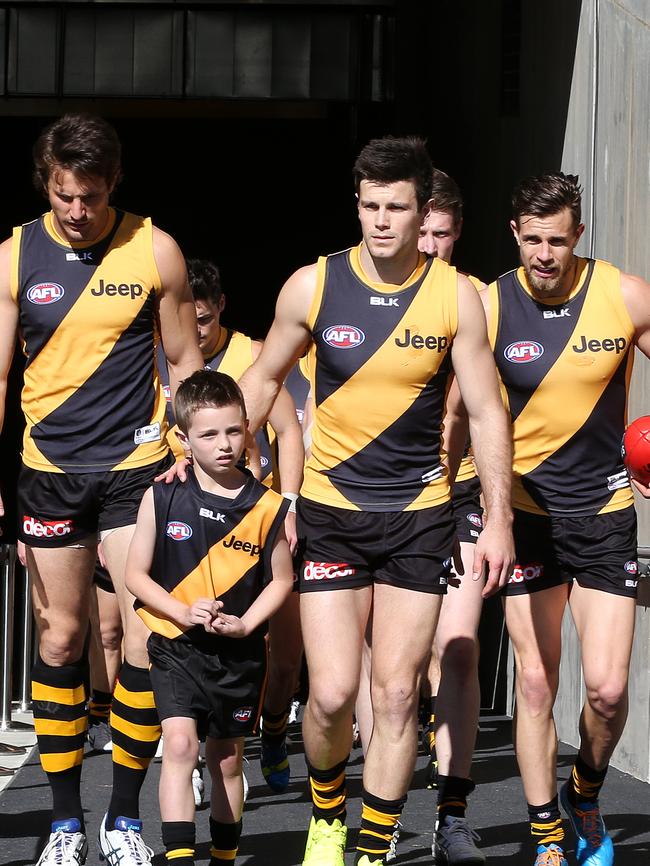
pixel 205 280
pixel 205 389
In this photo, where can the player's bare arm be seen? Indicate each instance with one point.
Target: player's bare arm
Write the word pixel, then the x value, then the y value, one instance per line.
pixel 455 430
pixel 8 327
pixel 490 432
pixel 140 584
pixel 272 597
pixel 286 341
pixel 636 293
pixel 176 312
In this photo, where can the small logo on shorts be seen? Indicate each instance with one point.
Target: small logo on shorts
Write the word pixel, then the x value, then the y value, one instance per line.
pixel 46 528
pixel 243 714
pixel 476 520
pixel 631 584
pixel 178 531
pixel 343 336
pixel 522 573
pixel 327 570
pixel 631 566
pixel 523 351
pixel 45 293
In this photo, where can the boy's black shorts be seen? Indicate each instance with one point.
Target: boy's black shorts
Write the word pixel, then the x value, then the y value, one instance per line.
pixel 223 692
pixel 468 514
pixel 345 549
pixel 59 509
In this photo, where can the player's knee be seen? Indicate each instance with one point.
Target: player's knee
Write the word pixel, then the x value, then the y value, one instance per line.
pixel 459 658
pixel 58 647
pixel 111 636
pixel 181 747
pixel 537 688
pixel 328 704
pixel 607 699
pixel 230 766
pixel 394 699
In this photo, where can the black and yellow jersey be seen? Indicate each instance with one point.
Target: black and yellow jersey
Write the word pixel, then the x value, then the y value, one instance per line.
pixel 297 384
pixel 234 355
pixel 87 318
pixel 208 546
pixel 565 368
pixel 379 363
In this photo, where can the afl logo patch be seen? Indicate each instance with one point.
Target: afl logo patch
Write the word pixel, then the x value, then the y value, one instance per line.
pixel 243 714
pixel 167 391
pixel 343 336
pixel 475 519
pixel 178 531
pixel 523 352
pixel 631 566
pixel 45 293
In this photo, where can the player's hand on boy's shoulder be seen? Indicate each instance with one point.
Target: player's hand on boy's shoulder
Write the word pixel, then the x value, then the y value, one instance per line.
pixel 202 612
pixel 178 470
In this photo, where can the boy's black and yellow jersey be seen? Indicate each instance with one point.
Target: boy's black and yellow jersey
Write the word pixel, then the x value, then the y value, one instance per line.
pixel 233 357
pixel 565 368
pixel 208 546
pixel 379 365
pixel 91 395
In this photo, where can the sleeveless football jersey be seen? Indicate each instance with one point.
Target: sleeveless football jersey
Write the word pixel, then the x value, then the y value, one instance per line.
pixel 91 395
pixel 379 363
pixel 234 356
pixel 297 384
pixel 208 546
pixel 565 368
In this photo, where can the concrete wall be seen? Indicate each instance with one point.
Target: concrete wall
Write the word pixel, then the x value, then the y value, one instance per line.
pixel 607 142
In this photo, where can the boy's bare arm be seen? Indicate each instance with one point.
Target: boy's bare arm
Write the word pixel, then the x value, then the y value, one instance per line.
pixel 268 601
pixel 139 582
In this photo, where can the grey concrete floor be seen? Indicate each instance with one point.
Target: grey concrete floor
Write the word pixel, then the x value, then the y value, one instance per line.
pixel 275 826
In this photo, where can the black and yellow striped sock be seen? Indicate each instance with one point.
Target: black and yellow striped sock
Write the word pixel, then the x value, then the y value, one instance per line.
pixel 328 792
pixel 452 796
pixel 135 731
pixel 378 821
pixel 585 783
pixel 60 722
pixel 429 725
pixel 274 727
pixel 546 823
pixel 99 707
pixel 179 839
pixel 225 842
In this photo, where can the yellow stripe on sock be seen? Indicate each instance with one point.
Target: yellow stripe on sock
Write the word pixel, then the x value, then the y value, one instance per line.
pixel 142 733
pixel 384 818
pixel 124 759
pixel 57 762
pixel 222 854
pixel 138 700
pixel 59 728
pixel 177 853
pixel 69 697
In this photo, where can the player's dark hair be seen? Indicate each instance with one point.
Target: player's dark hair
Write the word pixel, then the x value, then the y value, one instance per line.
pixel 85 144
pixel 205 388
pixel 205 280
pixel 548 194
pixel 389 160
pixel 446 196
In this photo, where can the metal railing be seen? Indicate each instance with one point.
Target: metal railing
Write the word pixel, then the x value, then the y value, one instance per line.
pixel 10 571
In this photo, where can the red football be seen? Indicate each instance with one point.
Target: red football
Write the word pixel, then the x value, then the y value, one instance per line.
pixel 636 449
